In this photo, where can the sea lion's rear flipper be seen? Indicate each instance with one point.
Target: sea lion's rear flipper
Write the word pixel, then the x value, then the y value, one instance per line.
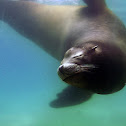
pixel 96 5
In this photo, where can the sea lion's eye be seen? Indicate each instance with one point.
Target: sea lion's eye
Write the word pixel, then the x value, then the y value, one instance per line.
pixel 79 56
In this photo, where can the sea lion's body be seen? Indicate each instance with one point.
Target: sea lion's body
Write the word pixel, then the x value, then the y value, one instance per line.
pixel 59 28
pixel 40 23
pixel 46 24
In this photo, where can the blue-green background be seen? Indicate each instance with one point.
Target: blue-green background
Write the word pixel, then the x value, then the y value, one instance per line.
pixel 29 82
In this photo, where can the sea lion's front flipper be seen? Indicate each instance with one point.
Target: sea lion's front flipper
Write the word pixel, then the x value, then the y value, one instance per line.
pixel 95 5
pixel 44 24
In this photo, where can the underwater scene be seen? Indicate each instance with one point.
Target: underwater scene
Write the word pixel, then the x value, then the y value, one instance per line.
pixel 32 94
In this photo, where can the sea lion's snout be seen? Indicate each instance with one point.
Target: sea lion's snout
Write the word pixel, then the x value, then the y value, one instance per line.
pixel 96 66
pixel 66 70
pixel 75 74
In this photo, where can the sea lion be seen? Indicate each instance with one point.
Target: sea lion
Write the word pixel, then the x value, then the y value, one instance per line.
pixel 90 39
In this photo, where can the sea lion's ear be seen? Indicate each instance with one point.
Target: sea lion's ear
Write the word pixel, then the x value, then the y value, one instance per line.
pixel 93 48
pixel 96 5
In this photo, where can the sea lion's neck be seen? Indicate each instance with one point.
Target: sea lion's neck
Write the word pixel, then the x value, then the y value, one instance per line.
pixel 97 35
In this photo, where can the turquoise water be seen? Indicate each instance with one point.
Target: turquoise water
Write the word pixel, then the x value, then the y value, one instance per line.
pixel 29 86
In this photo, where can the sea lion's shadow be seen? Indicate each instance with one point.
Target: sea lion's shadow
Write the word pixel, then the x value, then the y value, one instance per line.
pixel 71 96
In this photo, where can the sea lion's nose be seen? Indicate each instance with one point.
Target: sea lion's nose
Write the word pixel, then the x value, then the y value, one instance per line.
pixel 61 68
pixel 64 68
pixel 61 72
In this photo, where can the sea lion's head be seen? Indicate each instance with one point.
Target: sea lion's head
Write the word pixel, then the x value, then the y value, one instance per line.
pixel 95 66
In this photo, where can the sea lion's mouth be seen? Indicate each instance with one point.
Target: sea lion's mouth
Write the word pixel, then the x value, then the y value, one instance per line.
pixel 78 80
pixel 75 74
